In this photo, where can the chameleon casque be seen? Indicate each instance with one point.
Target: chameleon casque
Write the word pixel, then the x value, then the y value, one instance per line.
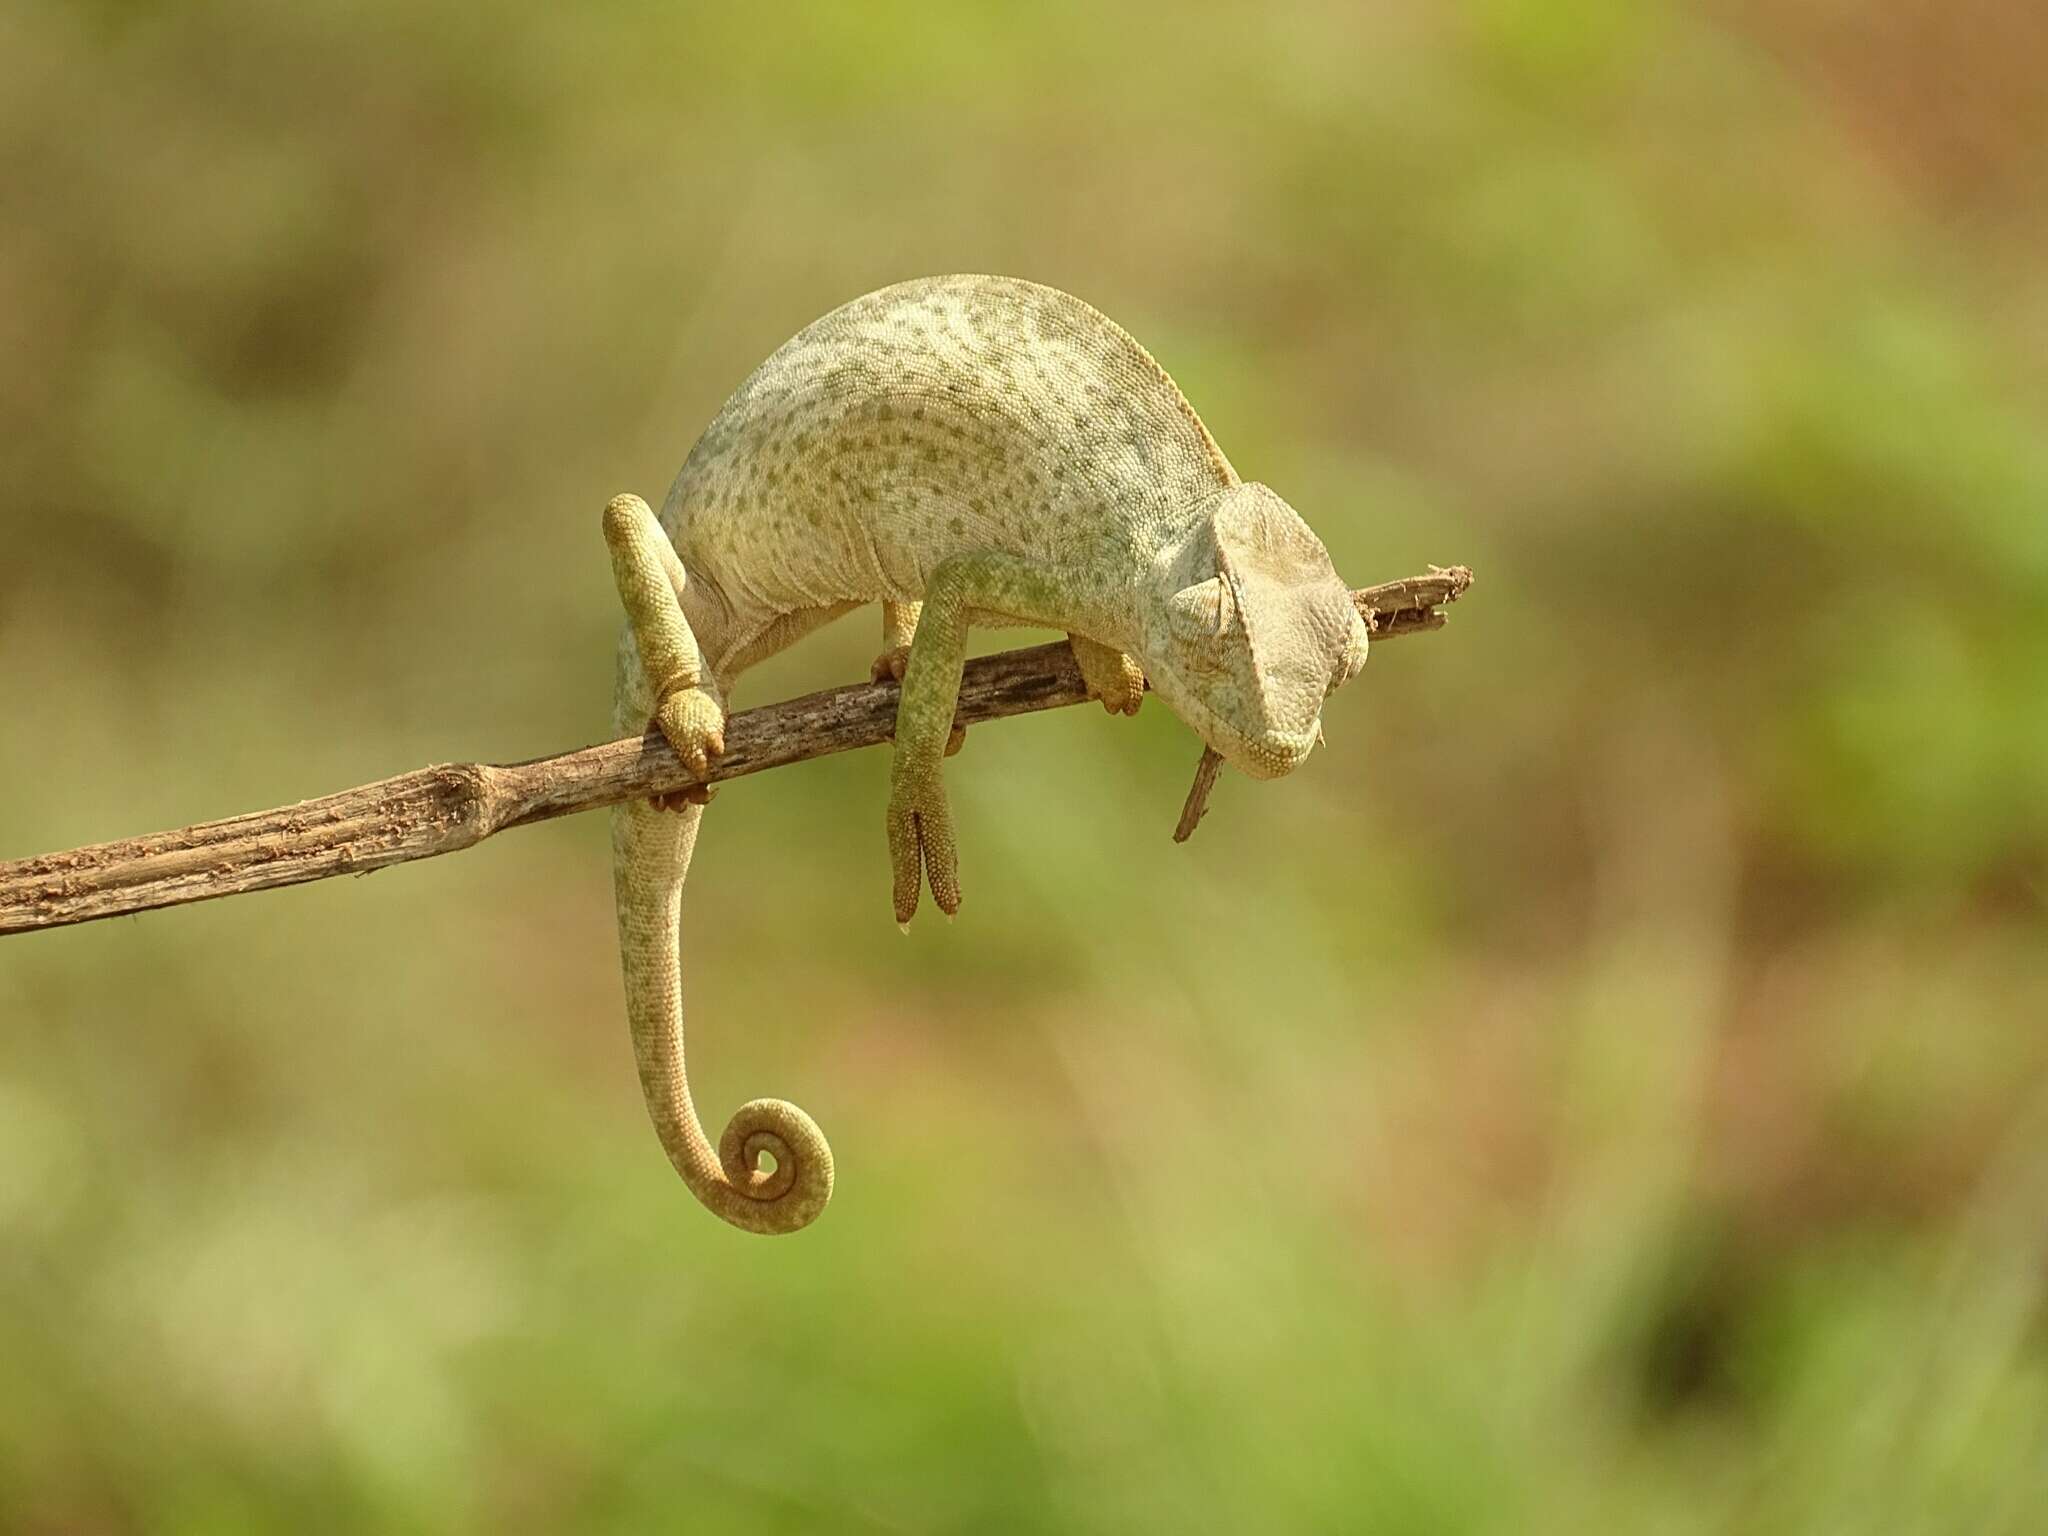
pixel 965 451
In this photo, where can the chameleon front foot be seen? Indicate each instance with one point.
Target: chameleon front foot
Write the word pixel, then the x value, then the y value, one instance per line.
pixel 921 846
pixel 1113 678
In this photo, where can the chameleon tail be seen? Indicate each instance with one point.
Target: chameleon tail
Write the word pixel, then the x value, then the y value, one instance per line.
pixel 651 855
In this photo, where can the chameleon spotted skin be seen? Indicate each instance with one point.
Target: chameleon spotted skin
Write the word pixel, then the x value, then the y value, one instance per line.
pixel 965 451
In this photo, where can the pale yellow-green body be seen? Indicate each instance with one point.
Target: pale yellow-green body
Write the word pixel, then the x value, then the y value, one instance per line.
pixel 962 450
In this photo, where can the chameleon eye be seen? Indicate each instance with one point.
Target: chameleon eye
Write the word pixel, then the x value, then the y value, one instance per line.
pixel 1200 618
pixel 1199 613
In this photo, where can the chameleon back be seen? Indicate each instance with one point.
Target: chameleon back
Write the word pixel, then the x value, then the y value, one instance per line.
pixel 936 416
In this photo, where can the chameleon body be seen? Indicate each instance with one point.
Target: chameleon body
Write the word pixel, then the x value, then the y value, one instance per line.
pixel 965 451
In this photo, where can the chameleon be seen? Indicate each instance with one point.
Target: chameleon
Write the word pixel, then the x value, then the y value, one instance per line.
pixel 965 451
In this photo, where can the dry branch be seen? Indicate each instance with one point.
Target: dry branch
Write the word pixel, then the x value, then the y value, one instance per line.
pixel 443 809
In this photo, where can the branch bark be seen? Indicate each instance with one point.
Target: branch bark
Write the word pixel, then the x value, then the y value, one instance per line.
pixel 452 806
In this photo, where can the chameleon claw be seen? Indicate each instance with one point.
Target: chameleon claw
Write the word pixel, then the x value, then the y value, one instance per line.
pixel 904 929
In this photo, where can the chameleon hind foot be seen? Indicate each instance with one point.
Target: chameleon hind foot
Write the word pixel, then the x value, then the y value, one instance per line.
pixel 694 724
pixel 651 580
pixel 695 727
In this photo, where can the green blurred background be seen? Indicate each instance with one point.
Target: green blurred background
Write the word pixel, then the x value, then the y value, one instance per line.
pixel 1607 1090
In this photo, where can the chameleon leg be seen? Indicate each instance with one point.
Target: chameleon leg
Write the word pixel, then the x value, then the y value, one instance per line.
pixel 899 624
pixel 651 579
pixel 920 824
pixel 1112 677
pixel 899 628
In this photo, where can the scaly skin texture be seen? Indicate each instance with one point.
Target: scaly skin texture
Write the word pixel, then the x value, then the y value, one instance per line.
pixel 965 451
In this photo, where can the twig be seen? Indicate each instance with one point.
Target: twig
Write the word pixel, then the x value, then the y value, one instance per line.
pixel 1197 805
pixel 1406 607
pixel 453 806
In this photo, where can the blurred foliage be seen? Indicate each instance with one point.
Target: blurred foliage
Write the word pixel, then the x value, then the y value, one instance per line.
pixel 1605 1091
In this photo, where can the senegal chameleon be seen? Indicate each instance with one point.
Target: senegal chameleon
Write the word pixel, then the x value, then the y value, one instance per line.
pixel 964 451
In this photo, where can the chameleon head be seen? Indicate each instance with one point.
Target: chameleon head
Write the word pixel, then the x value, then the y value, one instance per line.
pixel 1253 631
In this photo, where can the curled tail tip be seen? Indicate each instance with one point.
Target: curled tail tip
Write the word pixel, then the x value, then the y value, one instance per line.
pixel 791 1195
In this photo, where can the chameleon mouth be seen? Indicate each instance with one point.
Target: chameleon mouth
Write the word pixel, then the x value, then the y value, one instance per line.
pixel 1271 754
